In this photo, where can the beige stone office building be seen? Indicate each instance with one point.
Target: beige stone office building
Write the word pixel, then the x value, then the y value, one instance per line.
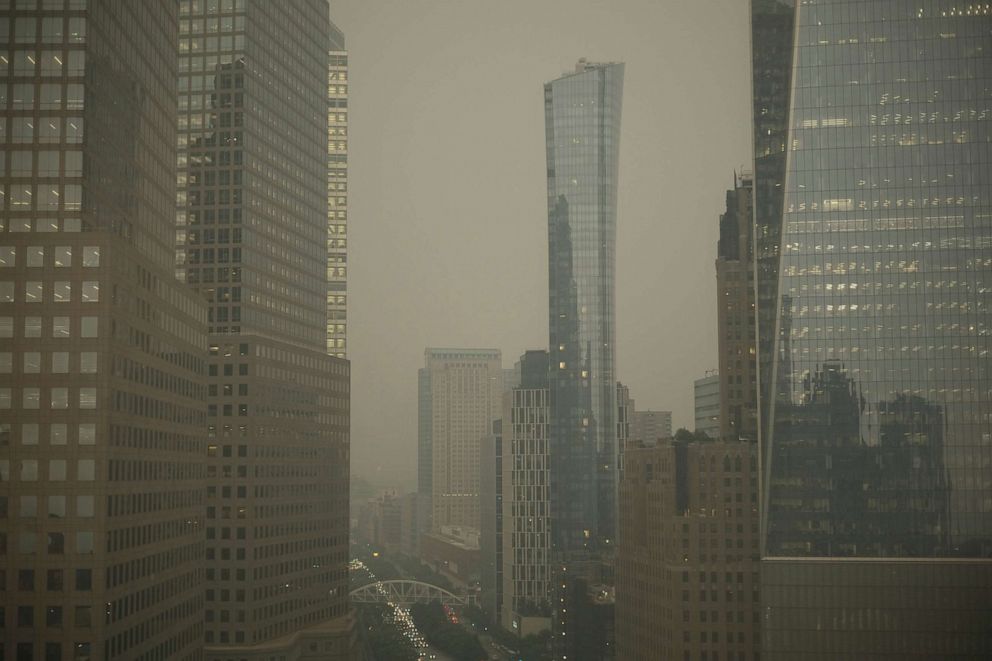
pixel 460 396
pixel 102 352
pixel 252 210
pixel 687 555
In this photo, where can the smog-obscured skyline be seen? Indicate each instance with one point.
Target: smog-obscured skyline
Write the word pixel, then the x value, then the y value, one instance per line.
pixel 448 229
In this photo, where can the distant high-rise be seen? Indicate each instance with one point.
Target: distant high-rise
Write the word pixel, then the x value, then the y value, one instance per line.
pixel 337 196
pixel 253 224
pixel 460 394
pixel 735 316
pixel 706 398
pixel 102 351
pixel 687 554
pixel 874 226
pixel 582 132
pixel 649 426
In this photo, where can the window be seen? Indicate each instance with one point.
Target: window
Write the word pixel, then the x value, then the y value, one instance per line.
pixel 87 362
pixel 91 291
pixel 57 434
pixel 87 434
pixel 60 362
pixel 85 470
pixel 56 507
pixel 56 543
pixel 60 398
pixel 84 506
pixel 56 470
pixel 35 255
pixel 89 327
pixel 62 291
pixel 84 579
pixel 84 542
pixel 30 398
pixel 60 327
pixel 54 580
pixel 87 398
pixel 91 256
pixel 32 362
pixel 32 326
pixel 29 434
pixel 33 292
pixel 29 470
pixel 29 507
pixel 63 256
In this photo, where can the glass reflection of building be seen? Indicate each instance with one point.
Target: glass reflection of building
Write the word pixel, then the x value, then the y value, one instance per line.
pixel 582 123
pixel 873 327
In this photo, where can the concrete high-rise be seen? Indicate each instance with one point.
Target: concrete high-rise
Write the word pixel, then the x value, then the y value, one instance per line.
pixel 460 391
pixel 252 210
pixel 582 132
pixel 872 261
pixel 687 554
pixel 337 195
pixel 735 316
pixel 650 426
pixel 102 352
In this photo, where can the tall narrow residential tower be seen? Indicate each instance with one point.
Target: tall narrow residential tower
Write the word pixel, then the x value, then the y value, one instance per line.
pixel 102 352
pixel 875 376
pixel 253 208
pixel 582 129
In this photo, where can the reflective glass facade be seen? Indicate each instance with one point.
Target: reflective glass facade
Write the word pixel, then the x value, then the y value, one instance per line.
pixel 873 264
pixel 881 425
pixel 582 123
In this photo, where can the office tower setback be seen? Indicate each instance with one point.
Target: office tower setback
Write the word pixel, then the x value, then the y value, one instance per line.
pixel 337 196
pixel 460 393
pixel 687 555
pixel 253 226
pixel 102 352
pixel 648 427
pixel 735 316
pixel 706 395
pixel 582 132
pixel 878 416
pixel 527 567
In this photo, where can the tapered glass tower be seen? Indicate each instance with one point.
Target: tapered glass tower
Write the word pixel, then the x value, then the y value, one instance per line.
pixel 877 443
pixel 582 126
pixel 582 123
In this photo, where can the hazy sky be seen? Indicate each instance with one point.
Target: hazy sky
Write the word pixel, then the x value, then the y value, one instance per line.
pixel 448 216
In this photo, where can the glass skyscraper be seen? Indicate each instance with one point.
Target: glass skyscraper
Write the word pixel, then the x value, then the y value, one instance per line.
pixel 873 209
pixel 582 127
pixel 582 124
pixel 252 215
